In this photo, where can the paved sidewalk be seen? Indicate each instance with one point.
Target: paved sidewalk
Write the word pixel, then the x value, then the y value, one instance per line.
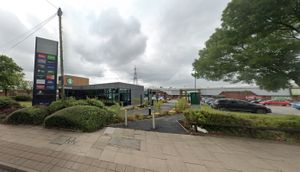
pixel 114 149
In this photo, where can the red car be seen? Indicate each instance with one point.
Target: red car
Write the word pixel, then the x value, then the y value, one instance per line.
pixel 276 102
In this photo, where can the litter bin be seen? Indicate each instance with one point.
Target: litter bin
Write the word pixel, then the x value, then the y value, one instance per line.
pixel 195 98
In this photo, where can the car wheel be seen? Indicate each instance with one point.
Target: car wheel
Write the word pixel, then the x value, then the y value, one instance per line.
pixel 262 111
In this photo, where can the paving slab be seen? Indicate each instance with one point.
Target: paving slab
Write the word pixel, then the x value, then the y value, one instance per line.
pixel 28 148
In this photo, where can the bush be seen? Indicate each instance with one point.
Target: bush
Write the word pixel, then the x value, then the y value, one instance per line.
pixel 69 102
pixel 7 102
pixel 23 98
pixel 245 124
pixel 7 106
pixel 157 105
pixel 95 102
pixel 181 105
pixel 81 117
pixel 60 104
pixel 30 115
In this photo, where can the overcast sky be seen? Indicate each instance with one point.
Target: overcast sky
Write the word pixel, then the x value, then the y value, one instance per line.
pixel 104 40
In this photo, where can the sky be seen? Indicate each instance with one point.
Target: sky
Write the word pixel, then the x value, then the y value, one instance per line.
pixel 105 40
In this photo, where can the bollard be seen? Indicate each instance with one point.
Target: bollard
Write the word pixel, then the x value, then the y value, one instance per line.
pixel 149 110
pixel 153 121
pixel 126 124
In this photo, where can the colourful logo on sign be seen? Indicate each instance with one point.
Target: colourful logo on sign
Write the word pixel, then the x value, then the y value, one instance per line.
pixel 40 81
pixel 40 87
pixel 51 58
pixel 41 66
pixel 40 72
pixel 69 81
pixel 51 62
pixel 50 67
pixel 50 72
pixel 50 82
pixel 40 92
pixel 42 55
pixel 50 87
pixel 41 61
pixel 50 77
pixel 40 76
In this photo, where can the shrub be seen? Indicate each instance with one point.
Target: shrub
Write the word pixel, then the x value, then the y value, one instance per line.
pixel 7 106
pixel 81 117
pixel 245 124
pixel 23 98
pixel 157 105
pixel 60 104
pixel 7 102
pixel 69 102
pixel 95 102
pixel 30 115
pixel 181 105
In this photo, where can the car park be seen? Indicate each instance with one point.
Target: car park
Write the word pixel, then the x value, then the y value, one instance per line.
pixel 240 105
pixel 276 102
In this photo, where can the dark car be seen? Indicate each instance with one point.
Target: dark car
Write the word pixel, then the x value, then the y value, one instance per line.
pixel 239 105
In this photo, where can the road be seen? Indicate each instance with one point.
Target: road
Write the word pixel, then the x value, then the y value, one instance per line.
pixel 284 110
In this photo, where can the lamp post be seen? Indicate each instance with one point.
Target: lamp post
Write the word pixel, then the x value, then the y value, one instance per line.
pixel 59 14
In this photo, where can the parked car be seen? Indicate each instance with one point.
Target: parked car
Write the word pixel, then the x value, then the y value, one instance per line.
pixel 276 102
pixel 239 105
pixel 210 101
pixel 296 105
pixel 255 101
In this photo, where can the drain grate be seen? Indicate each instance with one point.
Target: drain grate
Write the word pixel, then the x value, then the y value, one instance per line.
pixel 126 142
pixel 60 140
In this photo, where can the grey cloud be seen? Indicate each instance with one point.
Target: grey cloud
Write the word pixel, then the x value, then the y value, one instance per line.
pixel 182 29
pixel 162 39
pixel 113 40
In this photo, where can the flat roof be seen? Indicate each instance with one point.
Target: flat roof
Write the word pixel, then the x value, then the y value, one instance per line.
pixel 108 85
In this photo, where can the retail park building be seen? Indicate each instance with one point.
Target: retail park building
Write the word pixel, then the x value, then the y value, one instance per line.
pixel 130 94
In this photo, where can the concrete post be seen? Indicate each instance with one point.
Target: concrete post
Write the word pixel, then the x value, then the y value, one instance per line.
pixel 153 121
pixel 126 123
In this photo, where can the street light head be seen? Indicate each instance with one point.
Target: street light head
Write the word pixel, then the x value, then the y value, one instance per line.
pixel 59 12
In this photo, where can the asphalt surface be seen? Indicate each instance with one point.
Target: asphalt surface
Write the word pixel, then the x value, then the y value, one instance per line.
pixel 165 107
pixel 284 110
pixel 166 124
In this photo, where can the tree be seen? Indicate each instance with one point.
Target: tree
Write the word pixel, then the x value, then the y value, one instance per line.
pixel 258 42
pixel 26 86
pixel 11 74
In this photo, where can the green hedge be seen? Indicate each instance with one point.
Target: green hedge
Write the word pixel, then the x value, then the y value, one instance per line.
pixel 245 124
pixel 81 117
pixel 7 102
pixel 69 102
pixel 30 115
pixel 23 98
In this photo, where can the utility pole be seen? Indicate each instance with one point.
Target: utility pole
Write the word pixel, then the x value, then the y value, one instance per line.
pixel 59 14
pixel 195 84
pixel 135 79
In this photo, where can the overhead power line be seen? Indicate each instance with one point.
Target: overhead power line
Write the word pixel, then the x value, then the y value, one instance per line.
pixel 23 34
pixel 52 4
pixel 27 34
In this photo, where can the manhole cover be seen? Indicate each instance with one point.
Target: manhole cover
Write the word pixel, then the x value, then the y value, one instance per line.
pixel 63 140
pixel 125 142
